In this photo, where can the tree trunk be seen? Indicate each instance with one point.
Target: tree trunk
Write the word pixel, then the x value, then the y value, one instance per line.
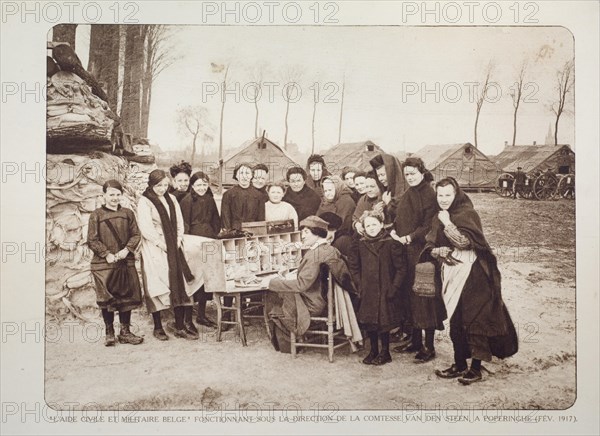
pixel 256 118
pixel 287 111
pixel 103 61
pixel 221 131
pixel 147 87
pixel 193 150
pixel 313 127
pixel 65 33
pixel 475 130
pixel 146 99
pixel 131 107
pixel 341 113
pixel 515 126
pixel 556 129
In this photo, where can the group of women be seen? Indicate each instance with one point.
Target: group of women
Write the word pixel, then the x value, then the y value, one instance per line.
pixel 414 253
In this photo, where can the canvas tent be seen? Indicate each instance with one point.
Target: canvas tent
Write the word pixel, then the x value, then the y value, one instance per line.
pixel 468 165
pixel 536 158
pixel 254 151
pixel 354 154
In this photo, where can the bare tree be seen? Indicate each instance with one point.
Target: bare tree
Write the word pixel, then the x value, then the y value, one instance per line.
pixel 516 92
pixel 104 59
pixel 159 54
pixel 565 80
pixel 257 78
pixel 65 33
pixel 221 68
pixel 291 76
pixel 480 95
pixel 193 120
pixel 315 89
pixel 341 110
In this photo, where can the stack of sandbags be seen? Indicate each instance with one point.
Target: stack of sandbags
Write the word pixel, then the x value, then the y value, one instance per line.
pixel 76 119
pixel 73 191
pixel 141 164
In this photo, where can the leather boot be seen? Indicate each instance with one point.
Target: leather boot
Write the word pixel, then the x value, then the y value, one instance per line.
pixel 109 340
pixel 126 337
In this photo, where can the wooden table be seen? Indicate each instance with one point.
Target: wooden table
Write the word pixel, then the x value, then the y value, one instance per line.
pixel 242 309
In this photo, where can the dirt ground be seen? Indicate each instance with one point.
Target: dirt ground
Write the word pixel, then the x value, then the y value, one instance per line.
pixel 535 245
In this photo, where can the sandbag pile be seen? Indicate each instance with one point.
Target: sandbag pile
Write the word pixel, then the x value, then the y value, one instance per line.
pixel 76 119
pixel 73 191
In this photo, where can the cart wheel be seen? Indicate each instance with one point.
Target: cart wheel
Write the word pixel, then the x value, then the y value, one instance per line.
pixel 544 187
pixel 504 185
pixel 526 191
pixel 566 187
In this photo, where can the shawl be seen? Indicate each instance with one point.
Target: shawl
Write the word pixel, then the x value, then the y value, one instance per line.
pixel 178 267
pixel 393 170
pixel 467 220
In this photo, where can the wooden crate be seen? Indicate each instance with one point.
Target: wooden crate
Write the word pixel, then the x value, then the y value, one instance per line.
pixel 256 255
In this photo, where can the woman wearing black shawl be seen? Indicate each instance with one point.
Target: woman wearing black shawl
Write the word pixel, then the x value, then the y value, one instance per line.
pixel 317 171
pixel 480 326
pixel 201 218
pixel 164 265
pixel 416 208
pixel 391 182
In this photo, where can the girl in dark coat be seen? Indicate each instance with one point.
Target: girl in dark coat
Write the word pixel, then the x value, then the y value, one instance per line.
pixel 113 236
pixel 180 173
pixel 378 269
pixel 300 196
pixel 201 218
pixel 415 210
pixel 480 325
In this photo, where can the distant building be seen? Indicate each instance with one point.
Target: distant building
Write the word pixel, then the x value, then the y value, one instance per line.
pixel 468 165
pixel 353 154
pixel 537 158
pixel 256 151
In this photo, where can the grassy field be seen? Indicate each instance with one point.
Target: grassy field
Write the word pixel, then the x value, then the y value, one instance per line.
pixel 535 245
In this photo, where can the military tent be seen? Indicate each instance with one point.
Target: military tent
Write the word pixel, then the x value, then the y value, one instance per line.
pixel 354 154
pixel 468 165
pixel 254 151
pixel 536 158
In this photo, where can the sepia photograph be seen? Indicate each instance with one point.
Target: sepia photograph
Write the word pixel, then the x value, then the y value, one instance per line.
pixel 169 160
pixel 288 214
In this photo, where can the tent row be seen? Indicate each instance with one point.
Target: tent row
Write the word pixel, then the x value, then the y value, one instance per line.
pixel 467 164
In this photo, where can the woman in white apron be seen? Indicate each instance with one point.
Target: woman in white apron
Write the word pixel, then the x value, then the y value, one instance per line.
pixel 480 326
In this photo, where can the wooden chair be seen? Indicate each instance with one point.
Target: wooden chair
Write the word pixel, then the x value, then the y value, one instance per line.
pixel 329 322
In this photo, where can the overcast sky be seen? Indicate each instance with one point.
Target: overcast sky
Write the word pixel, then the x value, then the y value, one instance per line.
pixel 393 77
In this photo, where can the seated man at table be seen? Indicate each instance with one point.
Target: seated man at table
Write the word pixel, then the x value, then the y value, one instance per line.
pixel 293 301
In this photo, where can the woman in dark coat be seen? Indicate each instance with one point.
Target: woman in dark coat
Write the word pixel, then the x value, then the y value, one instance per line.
pixel 391 180
pixel 201 218
pixel 293 301
pixel 113 236
pixel 415 210
pixel 378 269
pixel 317 171
pixel 300 196
pixel 480 325
pixel 337 199
pixel 243 202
